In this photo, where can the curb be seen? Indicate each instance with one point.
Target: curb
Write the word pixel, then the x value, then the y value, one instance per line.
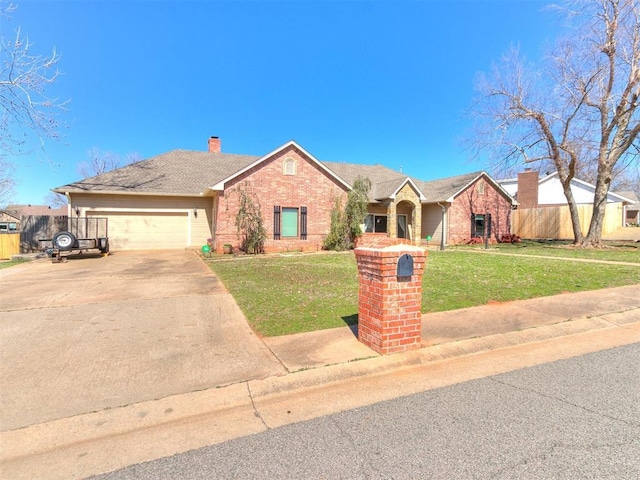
pixel 243 397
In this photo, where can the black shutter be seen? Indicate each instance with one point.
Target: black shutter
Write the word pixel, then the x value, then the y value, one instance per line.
pixel 303 223
pixel 473 225
pixel 488 224
pixel 276 222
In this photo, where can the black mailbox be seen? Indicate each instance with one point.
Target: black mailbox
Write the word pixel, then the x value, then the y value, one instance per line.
pixel 405 265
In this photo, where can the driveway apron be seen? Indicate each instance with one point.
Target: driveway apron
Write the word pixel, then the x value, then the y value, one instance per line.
pixel 101 332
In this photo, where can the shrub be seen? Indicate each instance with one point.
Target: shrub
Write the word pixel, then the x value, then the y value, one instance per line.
pixel 249 224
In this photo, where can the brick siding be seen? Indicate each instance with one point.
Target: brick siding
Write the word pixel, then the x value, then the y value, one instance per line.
pixel 310 187
pixel 472 201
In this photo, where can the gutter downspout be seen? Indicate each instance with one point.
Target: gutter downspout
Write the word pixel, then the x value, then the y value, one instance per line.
pixel 444 210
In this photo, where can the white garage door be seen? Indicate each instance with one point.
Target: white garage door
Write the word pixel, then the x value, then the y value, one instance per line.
pixel 146 231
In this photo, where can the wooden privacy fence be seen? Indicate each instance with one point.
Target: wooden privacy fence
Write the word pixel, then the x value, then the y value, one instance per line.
pixel 36 227
pixel 555 222
pixel 9 245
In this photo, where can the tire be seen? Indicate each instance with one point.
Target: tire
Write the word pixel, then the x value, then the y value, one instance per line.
pixel 104 245
pixel 64 241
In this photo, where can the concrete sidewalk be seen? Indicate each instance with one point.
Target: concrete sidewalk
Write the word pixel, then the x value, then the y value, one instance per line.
pixel 340 345
pixel 326 372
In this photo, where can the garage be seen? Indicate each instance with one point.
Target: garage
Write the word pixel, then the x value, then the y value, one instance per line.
pixel 146 230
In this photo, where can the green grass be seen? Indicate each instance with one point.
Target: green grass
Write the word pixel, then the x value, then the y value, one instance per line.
pixel 289 294
pixel 459 279
pixel 613 251
pixel 11 263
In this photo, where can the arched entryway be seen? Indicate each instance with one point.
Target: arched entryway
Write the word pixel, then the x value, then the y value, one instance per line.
pixel 405 220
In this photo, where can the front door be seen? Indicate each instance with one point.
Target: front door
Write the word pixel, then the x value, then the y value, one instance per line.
pixel 402 226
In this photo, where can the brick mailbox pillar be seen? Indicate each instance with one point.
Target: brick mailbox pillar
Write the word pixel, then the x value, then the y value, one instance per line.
pixel 390 297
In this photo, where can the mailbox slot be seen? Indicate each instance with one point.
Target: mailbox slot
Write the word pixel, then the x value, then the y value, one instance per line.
pixel 405 266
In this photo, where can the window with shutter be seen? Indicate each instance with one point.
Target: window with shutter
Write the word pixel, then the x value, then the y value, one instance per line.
pixel 276 222
pixel 303 223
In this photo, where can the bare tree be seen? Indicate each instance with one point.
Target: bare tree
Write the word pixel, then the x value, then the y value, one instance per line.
pixel 6 183
pixel 577 111
pixel 25 78
pixel 55 200
pixel 100 162
pixel 628 180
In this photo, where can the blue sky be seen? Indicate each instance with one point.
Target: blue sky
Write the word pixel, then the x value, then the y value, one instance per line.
pixel 356 81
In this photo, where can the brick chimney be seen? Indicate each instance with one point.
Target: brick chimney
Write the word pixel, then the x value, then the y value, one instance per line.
pixel 528 188
pixel 215 145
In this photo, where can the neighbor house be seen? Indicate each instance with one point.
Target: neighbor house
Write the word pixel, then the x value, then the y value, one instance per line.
pixel 182 198
pixel 632 211
pixel 543 210
pixel 532 190
pixel 9 221
pixel 11 217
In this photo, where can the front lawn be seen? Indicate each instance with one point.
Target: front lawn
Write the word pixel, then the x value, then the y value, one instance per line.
pixel 289 294
pixel 613 251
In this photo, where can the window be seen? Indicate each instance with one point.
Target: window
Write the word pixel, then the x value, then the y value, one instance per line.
pixel 8 227
pixel 402 226
pixel 289 222
pixel 479 224
pixel 289 166
pixel 375 223
pixel 480 188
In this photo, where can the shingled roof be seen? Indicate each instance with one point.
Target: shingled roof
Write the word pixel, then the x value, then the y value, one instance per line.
pixel 445 189
pixel 193 173
pixel 179 172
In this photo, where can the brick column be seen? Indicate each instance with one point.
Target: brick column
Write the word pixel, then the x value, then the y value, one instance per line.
pixel 389 306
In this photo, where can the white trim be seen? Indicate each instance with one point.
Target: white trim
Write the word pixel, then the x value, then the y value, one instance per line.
pixel 415 187
pixel 67 193
pixel 139 210
pixel 489 179
pixel 548 177
pixel 221 184
pixel 622 198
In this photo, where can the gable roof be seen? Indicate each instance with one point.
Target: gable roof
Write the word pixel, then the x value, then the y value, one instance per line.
pixel 196 173
pixel 179 172
pixel 445 190
pixel 11 214
pixel 18 211
pixel 631 195
pixel 291 144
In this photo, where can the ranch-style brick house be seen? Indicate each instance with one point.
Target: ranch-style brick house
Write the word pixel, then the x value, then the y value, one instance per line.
pixel 182 198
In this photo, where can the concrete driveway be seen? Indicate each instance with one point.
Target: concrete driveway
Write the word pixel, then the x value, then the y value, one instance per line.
pixel 101 332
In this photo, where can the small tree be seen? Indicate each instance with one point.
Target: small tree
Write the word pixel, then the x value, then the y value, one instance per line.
pixel 249 224
pixel 356 208
pixel 346 224
pixel 338 237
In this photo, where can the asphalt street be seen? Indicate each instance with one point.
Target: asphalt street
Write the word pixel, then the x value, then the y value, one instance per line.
pixel 569 419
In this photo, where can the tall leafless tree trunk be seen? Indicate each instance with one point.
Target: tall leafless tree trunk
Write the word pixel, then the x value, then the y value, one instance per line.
pixel 578 110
